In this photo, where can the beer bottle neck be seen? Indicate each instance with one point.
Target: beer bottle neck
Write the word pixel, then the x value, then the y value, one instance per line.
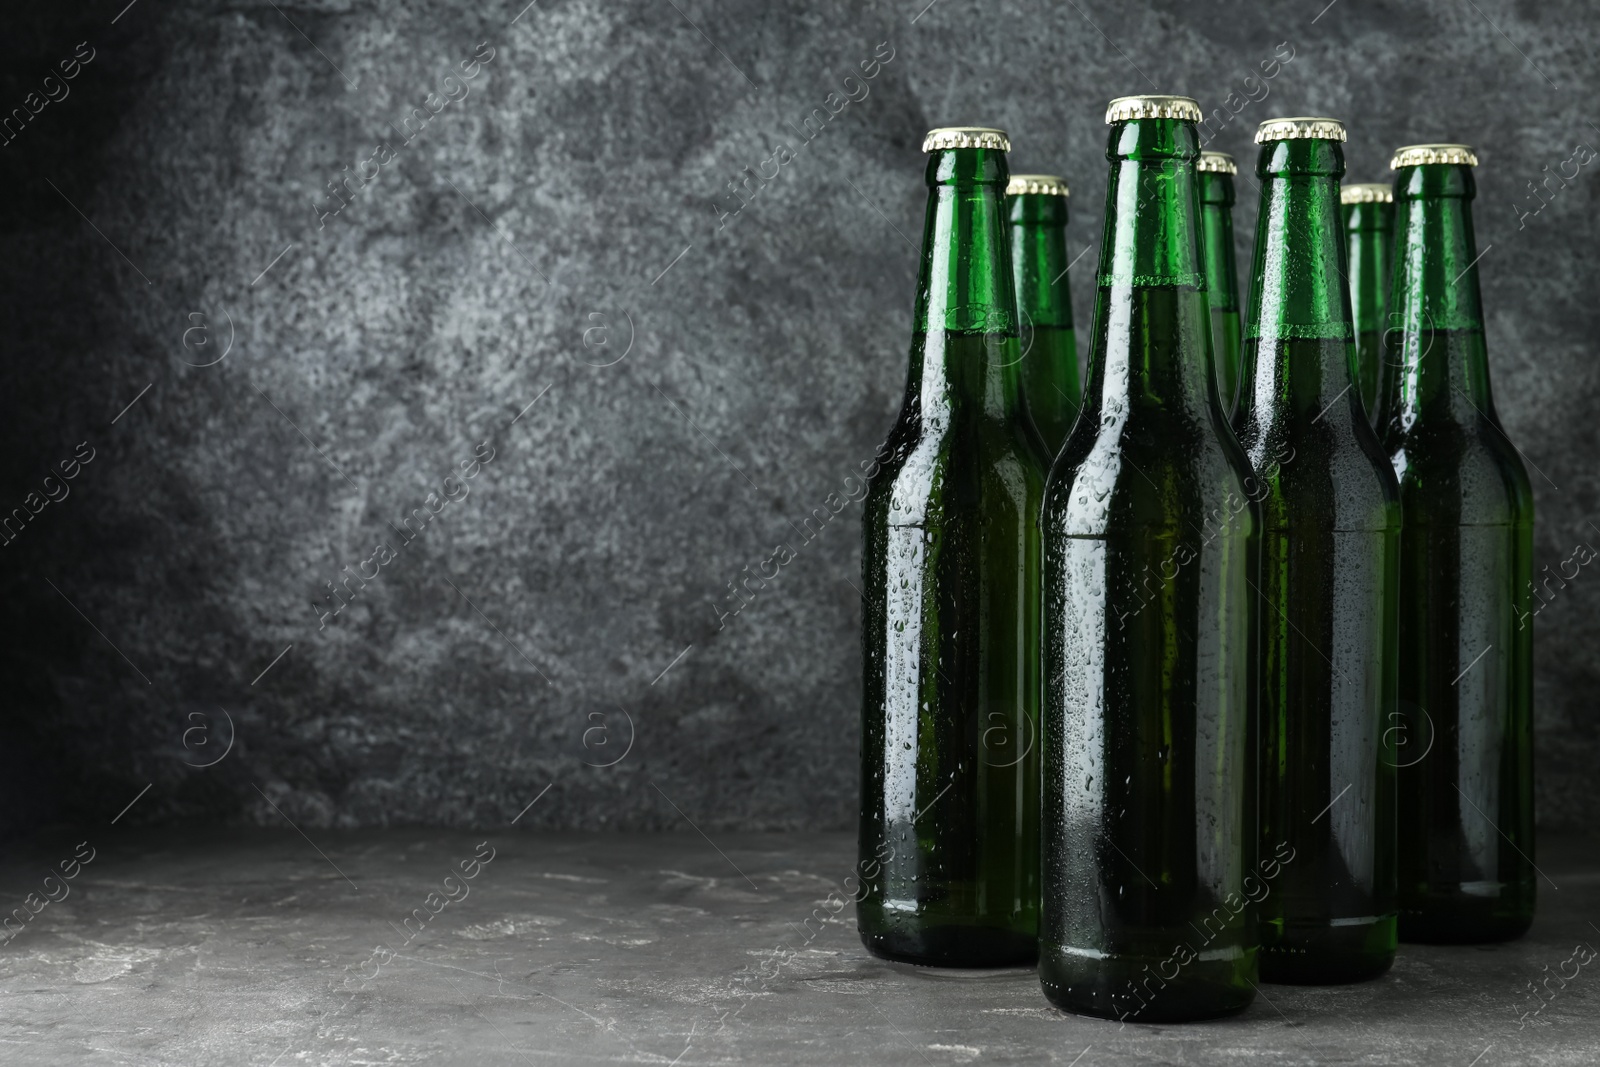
pixel 1299 251
pixel 1152 325
pixel 1039 258
pixel 965 284
pixel 966 313
pixel 1153 236
pixel 1299 339
pixel 1369 228
pixel 1437 366
pixel 1216 207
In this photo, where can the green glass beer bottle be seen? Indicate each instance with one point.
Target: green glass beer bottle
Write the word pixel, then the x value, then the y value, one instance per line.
pixel 1330 556
pixel 1369 230
pixel 1215 173
pixel 949 832
pixel 1463 738
pixel 1148 802
pixel 1050 389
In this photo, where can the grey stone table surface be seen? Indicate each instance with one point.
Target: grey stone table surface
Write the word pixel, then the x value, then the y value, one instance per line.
pixel 216 946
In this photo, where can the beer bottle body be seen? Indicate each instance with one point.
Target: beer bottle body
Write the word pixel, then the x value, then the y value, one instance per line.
pixel 1329 572
pixel 948 837
pixel 1463 735
pixel 1150 552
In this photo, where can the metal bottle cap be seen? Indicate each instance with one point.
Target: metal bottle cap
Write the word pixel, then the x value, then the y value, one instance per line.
pixel 1291 129
pixel 1038 184
pixel 1416 155
pixel 1366 193
pixel 1124 108
pixel 1216 163
pixel 966 137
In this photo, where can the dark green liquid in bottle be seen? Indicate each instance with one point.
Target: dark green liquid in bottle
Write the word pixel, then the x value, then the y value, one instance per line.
pixel 1330 512
pixel 1464 738
pixel 950 610
pixel 1369 354
pixel 1050 388
pixel 1225 337
pixel 1150 555
pixel 1052 392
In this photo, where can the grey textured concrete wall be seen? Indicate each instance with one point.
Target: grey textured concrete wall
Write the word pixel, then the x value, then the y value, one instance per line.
pixel 704 374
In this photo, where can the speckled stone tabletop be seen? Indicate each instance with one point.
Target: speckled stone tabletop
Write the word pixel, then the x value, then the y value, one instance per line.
pixel 277 948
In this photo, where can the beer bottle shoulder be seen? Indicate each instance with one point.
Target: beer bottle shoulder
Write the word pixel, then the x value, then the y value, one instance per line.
pixel 938 470
pixel 1460 473
pixel 1174 478
pixel 1330 474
